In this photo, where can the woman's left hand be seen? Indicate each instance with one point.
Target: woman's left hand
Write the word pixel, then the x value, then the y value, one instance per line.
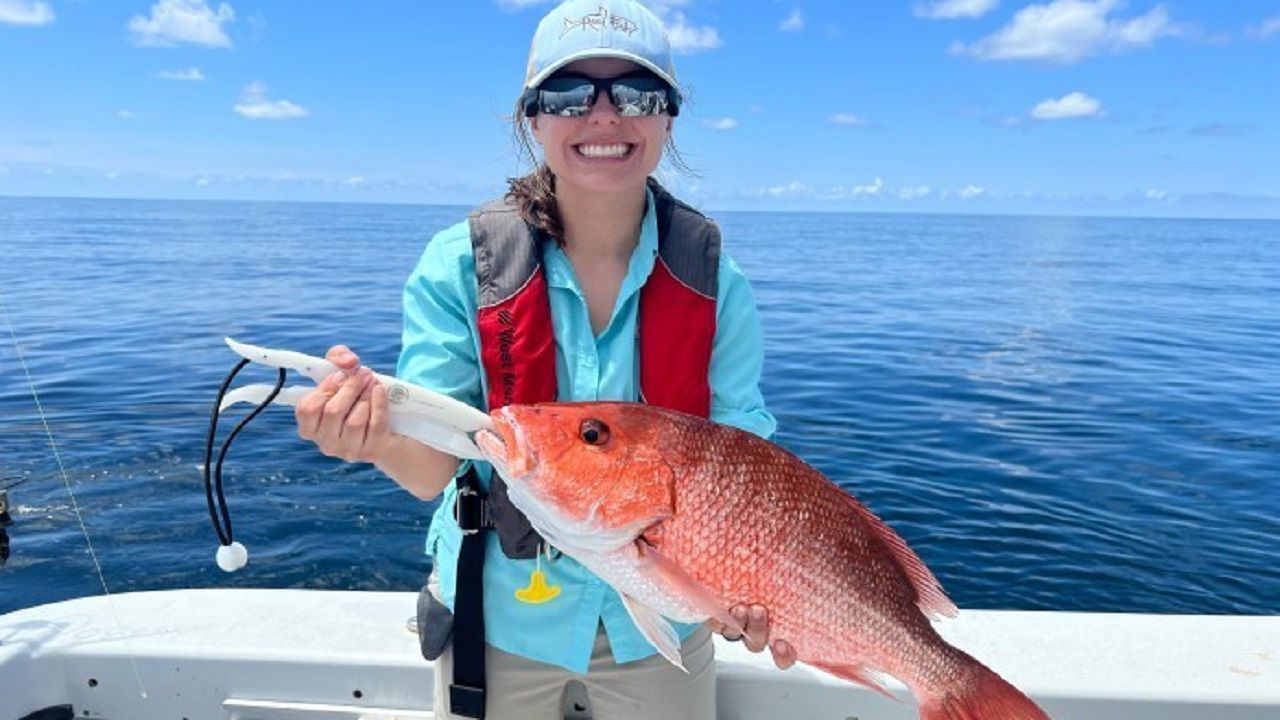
pixel 755 619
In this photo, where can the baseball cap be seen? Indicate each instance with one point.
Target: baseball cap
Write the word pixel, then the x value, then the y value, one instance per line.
pixel 579 29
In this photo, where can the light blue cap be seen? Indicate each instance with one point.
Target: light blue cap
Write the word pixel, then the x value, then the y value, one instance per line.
pixel 580 29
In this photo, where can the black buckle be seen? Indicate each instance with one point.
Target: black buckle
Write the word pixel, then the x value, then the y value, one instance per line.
pixel 471 511
pixel 466 701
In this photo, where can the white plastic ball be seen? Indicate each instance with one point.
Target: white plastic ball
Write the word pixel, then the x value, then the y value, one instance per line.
pixel 232 557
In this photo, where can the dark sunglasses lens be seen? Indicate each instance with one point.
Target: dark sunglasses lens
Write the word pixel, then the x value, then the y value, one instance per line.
pixel 635 97
pixel 566 97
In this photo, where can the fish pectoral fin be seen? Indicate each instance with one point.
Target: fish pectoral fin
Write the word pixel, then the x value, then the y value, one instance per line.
pixel 861 674
pixel 655 629
pixel 680 583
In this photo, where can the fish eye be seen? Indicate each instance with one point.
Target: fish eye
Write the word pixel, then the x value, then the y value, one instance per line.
pixel 593 432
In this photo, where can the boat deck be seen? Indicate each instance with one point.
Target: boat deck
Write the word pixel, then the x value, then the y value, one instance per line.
pixel 307 655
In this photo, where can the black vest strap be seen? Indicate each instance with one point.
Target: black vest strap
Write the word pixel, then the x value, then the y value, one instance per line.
pixel 467 691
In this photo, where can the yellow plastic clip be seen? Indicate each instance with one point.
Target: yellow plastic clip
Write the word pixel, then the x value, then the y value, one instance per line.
pixel 538 591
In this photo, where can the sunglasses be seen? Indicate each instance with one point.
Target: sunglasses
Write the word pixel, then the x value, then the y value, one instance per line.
pixel 569 95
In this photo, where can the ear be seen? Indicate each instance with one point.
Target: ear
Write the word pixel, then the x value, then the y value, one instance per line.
pixel 533 126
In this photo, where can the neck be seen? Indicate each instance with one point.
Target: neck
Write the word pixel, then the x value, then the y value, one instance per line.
pixel 600 224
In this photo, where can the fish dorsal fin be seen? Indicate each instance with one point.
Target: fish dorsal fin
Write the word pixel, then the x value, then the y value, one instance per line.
pixel 930 597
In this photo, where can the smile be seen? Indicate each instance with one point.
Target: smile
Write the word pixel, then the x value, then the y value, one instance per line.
pixel 610 151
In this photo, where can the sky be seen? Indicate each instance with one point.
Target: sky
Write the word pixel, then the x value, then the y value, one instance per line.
pixel 1092 107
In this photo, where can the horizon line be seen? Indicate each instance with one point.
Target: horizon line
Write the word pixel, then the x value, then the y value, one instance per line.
pixel 709 209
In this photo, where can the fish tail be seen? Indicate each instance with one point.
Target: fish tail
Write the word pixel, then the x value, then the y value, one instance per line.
pixel 980 695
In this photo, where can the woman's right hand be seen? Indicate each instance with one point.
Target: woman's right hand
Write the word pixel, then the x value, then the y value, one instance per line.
pixel 346 414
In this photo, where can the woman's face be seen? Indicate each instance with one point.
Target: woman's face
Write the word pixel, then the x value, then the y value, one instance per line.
pixel 601 151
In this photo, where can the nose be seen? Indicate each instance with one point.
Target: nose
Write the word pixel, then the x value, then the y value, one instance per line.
pixel 602 109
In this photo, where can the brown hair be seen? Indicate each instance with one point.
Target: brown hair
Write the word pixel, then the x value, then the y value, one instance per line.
pixel 535 193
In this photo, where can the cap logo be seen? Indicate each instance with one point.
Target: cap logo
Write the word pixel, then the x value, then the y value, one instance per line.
pixel 600 20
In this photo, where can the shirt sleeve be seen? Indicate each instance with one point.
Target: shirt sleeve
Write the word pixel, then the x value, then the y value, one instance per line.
pixel 439 349
pixel 737 356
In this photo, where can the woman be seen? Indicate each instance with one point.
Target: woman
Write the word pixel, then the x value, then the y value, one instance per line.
pixel 543 296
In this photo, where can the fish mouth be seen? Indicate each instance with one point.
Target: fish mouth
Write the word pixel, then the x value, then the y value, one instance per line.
pixel 504 446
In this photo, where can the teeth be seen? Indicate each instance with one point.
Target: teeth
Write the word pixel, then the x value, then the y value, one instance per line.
pixel 616 150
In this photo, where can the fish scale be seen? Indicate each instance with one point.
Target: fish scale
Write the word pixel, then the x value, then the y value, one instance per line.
pixel 719 517
pixel 794 542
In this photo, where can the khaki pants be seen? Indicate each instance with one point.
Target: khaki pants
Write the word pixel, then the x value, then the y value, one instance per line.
pixel 649 689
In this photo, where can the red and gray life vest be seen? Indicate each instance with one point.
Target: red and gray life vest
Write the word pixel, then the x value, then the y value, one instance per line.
pixel 677 323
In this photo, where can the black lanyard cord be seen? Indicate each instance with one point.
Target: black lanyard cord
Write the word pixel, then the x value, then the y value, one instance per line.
pixel 219 513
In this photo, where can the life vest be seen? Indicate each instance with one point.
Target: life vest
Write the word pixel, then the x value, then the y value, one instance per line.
pixel 677 308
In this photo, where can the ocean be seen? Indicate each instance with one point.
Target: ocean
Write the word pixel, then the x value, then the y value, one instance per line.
pixel 1056 413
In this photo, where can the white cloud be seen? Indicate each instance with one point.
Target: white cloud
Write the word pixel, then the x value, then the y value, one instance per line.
pixel 950 9
pixel 872 188
pixel 912 193
pixel 1069 30
pixel 255 105
pixel 968 192
pixel 1073 105
pixel 202 182
pixel 1156 195
pixel 125 114
pixel 354 181
pixel 182 21
pixel 793 23
pixel 724 123
pixel 850 119
pixel 190 74
pixel 795 188
pixel 1265 29
pixel 687 39
pixel 25 12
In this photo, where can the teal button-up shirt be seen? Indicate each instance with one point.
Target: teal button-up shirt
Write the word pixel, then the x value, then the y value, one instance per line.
pixel 441 351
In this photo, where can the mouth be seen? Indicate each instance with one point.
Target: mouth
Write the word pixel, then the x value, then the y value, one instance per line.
pixel 504 446
pixel 605 151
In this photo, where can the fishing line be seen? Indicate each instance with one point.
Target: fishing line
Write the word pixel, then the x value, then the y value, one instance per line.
pixel 75 505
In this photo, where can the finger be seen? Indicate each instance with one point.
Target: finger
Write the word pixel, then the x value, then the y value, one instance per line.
pixel 309 412
pixel 343 357
pixel 355 430
pixel 784 656
pixel 757 635
pixel 379 414
pixel 339 406
pixel 739 613
pixel 724 630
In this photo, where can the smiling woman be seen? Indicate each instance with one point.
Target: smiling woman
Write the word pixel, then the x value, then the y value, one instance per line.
pixel 587 281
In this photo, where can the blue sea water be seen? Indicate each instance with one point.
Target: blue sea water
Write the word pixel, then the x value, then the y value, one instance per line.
pixel 1057 413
